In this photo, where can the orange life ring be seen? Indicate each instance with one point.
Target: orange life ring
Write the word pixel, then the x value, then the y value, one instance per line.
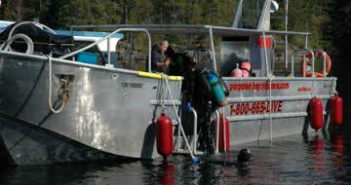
pixel 308 60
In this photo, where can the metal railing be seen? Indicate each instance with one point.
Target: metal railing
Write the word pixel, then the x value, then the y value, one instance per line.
pixel 193 145
pixel 311 52
pixel 195 135
pixel 304 58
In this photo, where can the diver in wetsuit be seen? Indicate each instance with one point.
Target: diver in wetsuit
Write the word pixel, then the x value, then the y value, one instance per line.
pixel 205 105
pixel 198 91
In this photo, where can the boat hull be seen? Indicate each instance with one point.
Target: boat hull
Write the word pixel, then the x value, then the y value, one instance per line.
pixel 109 110
pixel 258 110
pixel 30 145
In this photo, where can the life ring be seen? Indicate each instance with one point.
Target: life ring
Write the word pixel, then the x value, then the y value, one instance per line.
pixel 308 60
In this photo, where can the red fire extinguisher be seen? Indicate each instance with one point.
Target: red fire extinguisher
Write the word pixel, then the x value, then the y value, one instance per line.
pixel 164 135
pixel 336 110
pixel 315 113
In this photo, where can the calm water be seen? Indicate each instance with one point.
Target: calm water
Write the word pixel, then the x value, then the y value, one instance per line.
pixel 288 160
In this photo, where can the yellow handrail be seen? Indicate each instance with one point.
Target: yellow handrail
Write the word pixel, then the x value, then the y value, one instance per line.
pixel 158 76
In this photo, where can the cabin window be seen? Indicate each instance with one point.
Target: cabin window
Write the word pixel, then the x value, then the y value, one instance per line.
pixel 251 13
pixel 233 50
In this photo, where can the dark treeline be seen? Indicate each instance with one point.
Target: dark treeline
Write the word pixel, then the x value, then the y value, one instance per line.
pixel 339 30
pixel 329 21
pixel 304 15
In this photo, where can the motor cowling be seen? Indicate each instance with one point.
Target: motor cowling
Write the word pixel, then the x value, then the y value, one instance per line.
pixel 223 144
pixel 164 135
pixel 336 110
pixel 315 113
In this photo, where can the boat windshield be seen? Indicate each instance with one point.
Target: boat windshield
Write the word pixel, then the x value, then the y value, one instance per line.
pixel 250 14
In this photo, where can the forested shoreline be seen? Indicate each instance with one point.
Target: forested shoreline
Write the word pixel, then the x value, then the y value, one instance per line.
pixel 311 15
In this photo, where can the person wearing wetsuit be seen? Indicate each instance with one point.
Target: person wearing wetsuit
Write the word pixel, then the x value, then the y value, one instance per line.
pixel 197 90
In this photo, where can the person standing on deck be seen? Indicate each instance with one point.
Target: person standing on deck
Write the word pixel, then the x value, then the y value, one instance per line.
pixel 159 60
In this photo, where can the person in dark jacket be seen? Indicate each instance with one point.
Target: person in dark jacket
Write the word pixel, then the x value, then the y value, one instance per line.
pixel 159 59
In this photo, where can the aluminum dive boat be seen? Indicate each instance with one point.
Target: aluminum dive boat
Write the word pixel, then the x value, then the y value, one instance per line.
pixel 106 111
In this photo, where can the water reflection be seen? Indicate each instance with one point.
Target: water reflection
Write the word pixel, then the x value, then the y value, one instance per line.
pixel 318 162
pixel 288 160
pixel 338 147
pixel 166 174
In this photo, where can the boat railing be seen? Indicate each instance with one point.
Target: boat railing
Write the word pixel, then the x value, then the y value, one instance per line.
pixel 217 130
pixel 294 53
pixel 193 145
pixel 312 54
pixel 30 45
pixel 324 63
pixel 193 149
pixel 107 37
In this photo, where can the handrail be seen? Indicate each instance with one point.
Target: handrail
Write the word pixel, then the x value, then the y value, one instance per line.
pixel 324 62
pixel 293 61
pixel 109 36
pixel 191 109
pixel 217 131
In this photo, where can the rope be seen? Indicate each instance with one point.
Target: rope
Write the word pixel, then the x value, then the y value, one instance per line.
pixel 269 75
pixel 6 46
pixel 165 79
pixel 65 92
pixel 159 101
pixel 30 45
pixel 270 108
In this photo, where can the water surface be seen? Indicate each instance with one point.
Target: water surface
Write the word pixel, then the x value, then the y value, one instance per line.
pixel 318 159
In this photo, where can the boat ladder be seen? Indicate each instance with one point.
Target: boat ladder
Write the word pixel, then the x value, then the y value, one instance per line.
pixel 192 139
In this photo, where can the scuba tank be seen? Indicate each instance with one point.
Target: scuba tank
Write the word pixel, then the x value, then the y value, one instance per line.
pixel 237 72
pixel 217 89
pixel 224 87
pixel 246 67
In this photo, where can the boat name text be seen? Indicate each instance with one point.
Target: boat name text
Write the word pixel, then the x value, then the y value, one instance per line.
pixel 304 89
pixel 258 86
pixel 132 85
